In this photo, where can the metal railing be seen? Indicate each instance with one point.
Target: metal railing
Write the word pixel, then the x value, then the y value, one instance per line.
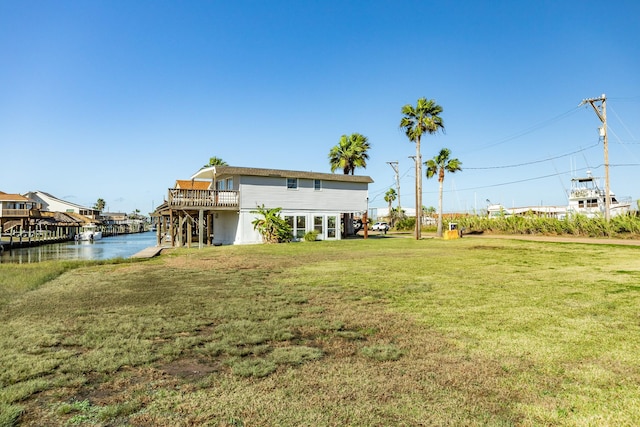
pixel 181 198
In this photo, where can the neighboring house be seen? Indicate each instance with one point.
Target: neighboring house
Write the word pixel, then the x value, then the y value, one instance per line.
pixel 53 204
pixel 16 211
pixel 217 205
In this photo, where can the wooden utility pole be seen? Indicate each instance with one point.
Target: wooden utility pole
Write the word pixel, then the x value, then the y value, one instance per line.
pixel 601 112
pixel 418 199
pixel 394 165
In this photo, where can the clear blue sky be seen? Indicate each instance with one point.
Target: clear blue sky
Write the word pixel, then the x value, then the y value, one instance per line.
pixel 117 99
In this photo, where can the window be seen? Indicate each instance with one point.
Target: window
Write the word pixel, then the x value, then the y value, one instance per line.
pixel 292 183
pixel 289 221
pixel 229 183
pixel 301 228
pixel 220 184
pixel 317 184
pixel 317 224
pixel 297 224
pixel 331 227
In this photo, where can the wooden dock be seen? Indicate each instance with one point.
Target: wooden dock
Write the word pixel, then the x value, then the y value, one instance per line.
pixel 149 252
pixel 16 242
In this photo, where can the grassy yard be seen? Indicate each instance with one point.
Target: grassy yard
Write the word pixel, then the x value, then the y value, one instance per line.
pixel 382 332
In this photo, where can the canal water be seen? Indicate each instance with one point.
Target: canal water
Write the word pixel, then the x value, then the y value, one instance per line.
pixel 121 246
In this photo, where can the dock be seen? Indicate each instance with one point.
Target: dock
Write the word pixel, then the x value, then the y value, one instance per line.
pixel 16 243
pixel 149 252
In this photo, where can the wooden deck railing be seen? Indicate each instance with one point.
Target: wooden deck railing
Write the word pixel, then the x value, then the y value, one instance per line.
pixel 15 213
pixel 180 198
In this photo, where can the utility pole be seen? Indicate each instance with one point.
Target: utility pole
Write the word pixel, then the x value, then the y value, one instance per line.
pixel 601 112
pixel 394 165
pixel 418 200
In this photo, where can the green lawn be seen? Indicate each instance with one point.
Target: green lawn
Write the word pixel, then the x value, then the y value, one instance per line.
pixel 378 332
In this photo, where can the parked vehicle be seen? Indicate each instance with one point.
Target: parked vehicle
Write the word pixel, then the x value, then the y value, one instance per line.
pixel 380 226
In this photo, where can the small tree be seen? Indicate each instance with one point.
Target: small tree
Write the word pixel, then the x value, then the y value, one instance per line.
pixel 389 197
pixel 438 166
pixel 272 227
pixel 99 205
pixel 397 215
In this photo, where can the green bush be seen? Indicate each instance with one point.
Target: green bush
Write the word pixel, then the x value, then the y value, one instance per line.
pixel 406 224
pixel 311 236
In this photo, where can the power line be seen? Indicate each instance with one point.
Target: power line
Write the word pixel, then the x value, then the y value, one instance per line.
pixel 529 130
pixel 535 161
pixel 534 178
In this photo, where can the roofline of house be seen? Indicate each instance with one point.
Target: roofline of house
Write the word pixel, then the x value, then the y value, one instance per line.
pixel 213 171
pixel 6 197
pixel 75 205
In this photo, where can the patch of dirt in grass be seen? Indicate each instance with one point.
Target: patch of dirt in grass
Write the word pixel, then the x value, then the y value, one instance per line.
pixel 189 369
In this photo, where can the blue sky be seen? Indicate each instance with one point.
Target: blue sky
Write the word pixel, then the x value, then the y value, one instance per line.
pixel 118 99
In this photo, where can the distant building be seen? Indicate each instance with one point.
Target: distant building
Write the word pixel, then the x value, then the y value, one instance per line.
pixel 16 211
pixel 53 204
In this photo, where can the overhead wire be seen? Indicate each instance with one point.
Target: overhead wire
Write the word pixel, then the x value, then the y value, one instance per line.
pixel 529 130
pixel 535 161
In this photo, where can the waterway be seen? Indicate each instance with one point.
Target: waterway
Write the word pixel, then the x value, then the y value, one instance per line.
pixel 121 246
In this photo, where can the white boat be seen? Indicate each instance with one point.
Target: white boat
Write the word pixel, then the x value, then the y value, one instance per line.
pixel 89 232
pixel 585 198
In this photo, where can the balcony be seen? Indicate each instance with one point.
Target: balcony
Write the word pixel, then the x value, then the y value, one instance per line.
pixel 180 198
pixel 18 213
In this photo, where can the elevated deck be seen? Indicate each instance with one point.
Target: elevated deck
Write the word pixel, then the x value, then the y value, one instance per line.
pixel 206 199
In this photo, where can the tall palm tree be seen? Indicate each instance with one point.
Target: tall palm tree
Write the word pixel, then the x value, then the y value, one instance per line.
pixel 438 166
pixel 418 120
pixel 350 153
pixel 389 197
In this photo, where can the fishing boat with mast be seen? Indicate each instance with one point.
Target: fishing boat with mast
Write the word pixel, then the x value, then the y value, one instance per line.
pixel 586 197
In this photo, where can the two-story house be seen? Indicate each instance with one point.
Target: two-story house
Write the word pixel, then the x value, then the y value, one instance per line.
pixel 217 205
pixel 16 211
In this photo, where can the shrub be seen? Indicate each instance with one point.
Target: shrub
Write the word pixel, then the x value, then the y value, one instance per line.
pixel 311 236
pixel 406 224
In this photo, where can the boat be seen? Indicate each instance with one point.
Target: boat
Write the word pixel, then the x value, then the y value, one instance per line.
pixel 585 198
pixel 89 232
pixel 588 199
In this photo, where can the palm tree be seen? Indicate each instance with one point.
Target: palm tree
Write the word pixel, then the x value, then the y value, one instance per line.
pixel 215 161
pixel 99 205
pixel 389 197
pixel 350 153
pixel 423 118
pixel 438 166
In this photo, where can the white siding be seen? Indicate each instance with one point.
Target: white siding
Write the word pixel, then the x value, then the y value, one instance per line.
pixel 52 205
pixel 225 228
pixel 334 196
